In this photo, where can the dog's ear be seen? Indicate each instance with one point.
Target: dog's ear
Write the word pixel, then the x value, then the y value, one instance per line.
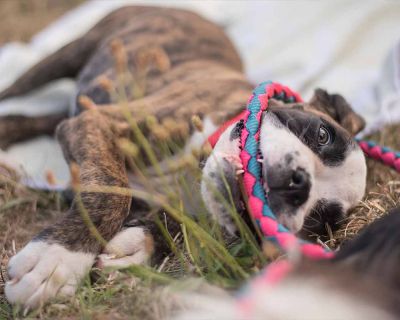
pixel 339 109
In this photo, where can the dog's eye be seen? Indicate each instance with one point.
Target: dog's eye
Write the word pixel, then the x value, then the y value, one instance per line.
pixel 324 137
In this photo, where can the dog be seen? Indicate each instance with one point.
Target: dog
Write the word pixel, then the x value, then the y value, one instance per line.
pixel 303 150
pixel 311 164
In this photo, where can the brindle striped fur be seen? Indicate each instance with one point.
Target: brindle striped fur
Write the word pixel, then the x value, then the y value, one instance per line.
pixel 205 78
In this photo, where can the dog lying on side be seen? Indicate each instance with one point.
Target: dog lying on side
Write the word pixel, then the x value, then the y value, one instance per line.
pixel 303 151
pixel 312 166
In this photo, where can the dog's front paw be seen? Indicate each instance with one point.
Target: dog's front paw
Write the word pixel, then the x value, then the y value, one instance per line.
pixel 129 247
pixel 41 271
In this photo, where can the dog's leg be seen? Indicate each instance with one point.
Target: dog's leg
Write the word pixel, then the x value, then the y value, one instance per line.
pixel 64 63
pixel 57 259
pixel 220 175
pixel 16 128
pixel 68 61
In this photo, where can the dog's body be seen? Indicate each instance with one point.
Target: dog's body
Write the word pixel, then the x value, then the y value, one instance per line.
pixel 198 73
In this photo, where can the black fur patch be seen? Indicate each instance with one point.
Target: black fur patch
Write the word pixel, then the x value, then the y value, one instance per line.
pixel 281 193
pixel 306 127
pixel 237 130
pixel 325 212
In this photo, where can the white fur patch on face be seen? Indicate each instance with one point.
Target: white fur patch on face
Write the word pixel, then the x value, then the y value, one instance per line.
pixel 276 141
pixel 344 184
pixel 128 247
pixel 41 271
pixel 216 165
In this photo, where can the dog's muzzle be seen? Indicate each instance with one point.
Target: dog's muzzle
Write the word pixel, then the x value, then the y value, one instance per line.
pixel 287 186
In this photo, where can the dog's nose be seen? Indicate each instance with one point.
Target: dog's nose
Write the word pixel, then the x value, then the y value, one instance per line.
pixel 300 179
pixel 291 186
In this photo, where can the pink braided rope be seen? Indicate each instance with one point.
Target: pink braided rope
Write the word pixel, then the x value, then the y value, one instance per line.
pixel 257 203
pixel 383 154
pixel 267 278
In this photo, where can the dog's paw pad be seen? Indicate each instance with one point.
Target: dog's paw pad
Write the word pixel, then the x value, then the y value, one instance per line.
pixel 40 271
pixel 128 247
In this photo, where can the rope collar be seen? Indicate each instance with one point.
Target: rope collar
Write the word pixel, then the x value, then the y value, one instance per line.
pixel 213 139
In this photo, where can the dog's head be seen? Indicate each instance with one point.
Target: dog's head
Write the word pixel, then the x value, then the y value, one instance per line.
pixel 313 169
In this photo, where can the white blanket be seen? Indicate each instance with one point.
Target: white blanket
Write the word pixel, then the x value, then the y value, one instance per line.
pixel 338 45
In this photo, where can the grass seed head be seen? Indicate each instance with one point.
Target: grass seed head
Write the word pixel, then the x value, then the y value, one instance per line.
pixel 51 178
pixel 119 53
pixel 207 149
pixel 86 102
pixel 152 122
pixel 197 123
pixel 160 133
pixel 75 175
pixel 105 83
pixel 161 59
pixel 153 56
pixel 128 148
pixel 176 128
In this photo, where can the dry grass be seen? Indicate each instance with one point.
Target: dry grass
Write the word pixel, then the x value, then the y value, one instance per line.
pixel 21 19
pixel 23 213
pixel 383 189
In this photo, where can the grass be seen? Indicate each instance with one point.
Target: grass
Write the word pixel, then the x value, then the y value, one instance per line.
pixel 21 19
pixel 383 188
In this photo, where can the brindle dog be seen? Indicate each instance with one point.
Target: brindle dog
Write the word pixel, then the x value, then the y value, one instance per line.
pixel 204 76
